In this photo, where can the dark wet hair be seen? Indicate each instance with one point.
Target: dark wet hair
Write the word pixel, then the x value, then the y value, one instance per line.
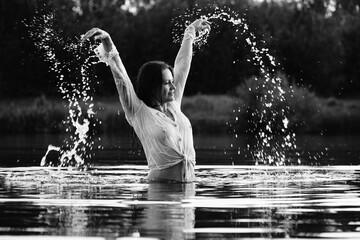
pixel 148 89
pixel 150 80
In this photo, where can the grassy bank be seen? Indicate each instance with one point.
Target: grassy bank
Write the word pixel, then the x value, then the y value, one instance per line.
pixel 207 113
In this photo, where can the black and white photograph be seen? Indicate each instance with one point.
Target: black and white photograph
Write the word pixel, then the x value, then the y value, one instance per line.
pixel 179 119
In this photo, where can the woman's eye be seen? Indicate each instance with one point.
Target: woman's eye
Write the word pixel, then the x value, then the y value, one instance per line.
pixel 169 82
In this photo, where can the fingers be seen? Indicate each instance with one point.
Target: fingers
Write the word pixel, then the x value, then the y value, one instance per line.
pixel 88 34
pixel 205 22
pixel 202 24
pixel 206 25
pixel 96 33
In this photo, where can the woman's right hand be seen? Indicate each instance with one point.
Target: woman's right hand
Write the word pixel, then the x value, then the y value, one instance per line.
pixel 201 25
pixel 99 34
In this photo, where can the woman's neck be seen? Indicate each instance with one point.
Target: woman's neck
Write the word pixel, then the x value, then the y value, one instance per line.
pixel 161 107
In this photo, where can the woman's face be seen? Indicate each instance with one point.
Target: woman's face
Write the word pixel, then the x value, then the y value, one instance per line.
pixel 168 87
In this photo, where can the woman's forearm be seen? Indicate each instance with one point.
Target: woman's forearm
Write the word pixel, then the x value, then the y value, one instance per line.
pixel 184 56
pixel 127 95
pixel 183 61
pixel 107 53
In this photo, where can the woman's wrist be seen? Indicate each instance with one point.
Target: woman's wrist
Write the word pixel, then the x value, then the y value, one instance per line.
pixel 105 56
pixel 190 33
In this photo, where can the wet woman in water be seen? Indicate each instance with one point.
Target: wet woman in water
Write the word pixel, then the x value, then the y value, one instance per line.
pixel 153 108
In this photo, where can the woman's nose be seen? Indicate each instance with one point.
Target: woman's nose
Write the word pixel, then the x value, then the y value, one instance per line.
pixel 173 86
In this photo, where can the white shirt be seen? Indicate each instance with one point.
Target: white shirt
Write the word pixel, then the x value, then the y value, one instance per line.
pixel 166 142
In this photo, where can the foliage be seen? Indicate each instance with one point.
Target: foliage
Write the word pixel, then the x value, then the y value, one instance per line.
pixel 31 116
pixel 208 114
pixel 306 112
pixel 317 42
pixel 312 44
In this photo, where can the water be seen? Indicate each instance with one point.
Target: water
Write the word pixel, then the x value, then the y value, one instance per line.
pixel 271 124
pixel 231 197
pixel 112 199
pixel 71 61
pixel 270 116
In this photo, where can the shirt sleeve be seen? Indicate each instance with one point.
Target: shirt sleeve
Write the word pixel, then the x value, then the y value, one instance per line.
pixel 183 62
pixel 128 98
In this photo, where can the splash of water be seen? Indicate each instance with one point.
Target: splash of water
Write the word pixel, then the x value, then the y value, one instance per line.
pixel 70 60
pixel 274 138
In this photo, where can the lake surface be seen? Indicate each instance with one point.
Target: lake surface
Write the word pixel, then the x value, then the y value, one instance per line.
pixel 230 199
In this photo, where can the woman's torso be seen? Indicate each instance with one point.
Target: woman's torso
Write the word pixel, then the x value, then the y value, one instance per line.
pixel 167 142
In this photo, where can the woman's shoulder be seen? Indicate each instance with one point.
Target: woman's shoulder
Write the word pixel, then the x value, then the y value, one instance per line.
pixel 145 112
pixel 174 105
pixel 140 111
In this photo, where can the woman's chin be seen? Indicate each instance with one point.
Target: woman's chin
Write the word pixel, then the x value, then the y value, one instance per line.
pixel 170 98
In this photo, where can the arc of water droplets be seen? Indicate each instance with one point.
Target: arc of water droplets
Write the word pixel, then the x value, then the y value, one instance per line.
pixel 268 151
pixel 43 32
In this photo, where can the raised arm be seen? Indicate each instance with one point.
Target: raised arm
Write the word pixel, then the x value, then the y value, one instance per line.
pixel 183 59
pixel 107 53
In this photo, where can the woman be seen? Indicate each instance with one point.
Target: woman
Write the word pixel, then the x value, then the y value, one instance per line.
pixel 153 110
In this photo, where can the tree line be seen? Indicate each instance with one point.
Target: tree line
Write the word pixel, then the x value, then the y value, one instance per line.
pixel 315 42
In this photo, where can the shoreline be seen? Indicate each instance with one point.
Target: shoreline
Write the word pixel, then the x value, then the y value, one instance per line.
pixel 208 114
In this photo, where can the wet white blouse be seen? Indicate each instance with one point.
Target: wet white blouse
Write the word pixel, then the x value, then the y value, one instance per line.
pixel 166 142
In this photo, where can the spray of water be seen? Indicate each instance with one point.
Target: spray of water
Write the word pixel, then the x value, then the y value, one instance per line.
pixel 70 60
pixel 273 135
pixel 270 149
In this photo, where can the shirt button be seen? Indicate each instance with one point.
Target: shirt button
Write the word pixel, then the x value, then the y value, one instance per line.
pixel 180 139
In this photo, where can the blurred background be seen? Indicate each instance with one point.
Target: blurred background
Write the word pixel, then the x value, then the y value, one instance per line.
pixel 316 44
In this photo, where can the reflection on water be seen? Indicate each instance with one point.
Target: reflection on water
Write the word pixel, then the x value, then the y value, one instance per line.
pixel 225 202
pixel 27 150
pixel 230 199
pixel 165 216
